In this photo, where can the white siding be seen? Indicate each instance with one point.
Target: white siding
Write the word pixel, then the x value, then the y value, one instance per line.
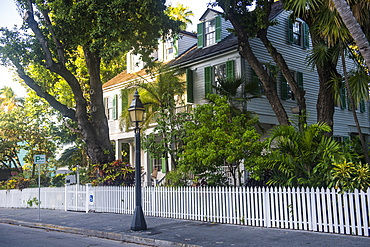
pixel 185 42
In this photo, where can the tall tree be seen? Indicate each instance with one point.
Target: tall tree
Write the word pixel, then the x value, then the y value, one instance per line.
pixel 249 22
pixel 325 53
pixel 103 31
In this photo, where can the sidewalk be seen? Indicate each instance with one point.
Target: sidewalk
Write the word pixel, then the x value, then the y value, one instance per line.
pixel 172 232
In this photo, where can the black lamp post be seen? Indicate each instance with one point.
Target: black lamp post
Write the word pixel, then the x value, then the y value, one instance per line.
pixel 136 111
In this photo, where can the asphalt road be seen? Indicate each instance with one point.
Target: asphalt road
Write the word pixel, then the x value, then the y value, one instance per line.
pixel 18 236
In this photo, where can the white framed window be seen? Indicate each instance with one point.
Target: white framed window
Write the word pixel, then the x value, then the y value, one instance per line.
pixel 110 105
pixel 210 32
pixel 297 33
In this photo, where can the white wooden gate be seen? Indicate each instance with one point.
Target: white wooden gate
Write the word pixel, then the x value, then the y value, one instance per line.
pixel 75 198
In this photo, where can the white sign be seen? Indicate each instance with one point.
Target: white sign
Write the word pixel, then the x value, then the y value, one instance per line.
pixel 39 159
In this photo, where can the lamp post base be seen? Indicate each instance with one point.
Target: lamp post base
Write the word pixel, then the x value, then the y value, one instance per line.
pixel 138 221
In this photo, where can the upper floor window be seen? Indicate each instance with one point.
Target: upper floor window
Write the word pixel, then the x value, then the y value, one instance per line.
pixel 298 33
pixel 209 32
pixel 110 105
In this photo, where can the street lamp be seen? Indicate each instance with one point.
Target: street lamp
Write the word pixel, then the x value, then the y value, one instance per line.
pixel 136 111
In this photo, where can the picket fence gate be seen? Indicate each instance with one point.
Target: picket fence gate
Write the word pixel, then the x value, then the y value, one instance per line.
pixel 311 209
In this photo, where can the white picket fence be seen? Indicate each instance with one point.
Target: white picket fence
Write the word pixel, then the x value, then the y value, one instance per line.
pixel 320 210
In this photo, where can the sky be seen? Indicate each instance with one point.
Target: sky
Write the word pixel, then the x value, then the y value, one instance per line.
pixel 9 16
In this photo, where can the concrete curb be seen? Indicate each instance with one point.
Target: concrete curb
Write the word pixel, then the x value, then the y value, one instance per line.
pixel 99 234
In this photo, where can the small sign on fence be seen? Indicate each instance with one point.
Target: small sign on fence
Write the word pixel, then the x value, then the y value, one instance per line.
pixel 91 199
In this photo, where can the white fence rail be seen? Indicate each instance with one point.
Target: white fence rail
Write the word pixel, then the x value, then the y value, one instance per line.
pixel 321 210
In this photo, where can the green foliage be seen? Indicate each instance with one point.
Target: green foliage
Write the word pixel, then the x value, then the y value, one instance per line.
pixel 216 138
pixel 30 128
pixel 73 45
pixel 58 180
pixel 19 182
pixel 349 176
pixel 116 173
pixel 32 201
pixel 177 178
pixel 252 14
pixel 180 13
pixel 230 88
pixel 301 157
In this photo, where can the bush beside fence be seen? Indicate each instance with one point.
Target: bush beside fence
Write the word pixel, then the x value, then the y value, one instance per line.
pixel 320 210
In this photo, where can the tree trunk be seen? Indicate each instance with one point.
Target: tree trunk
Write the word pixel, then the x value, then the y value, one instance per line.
pixel 354 28
pixel 91 119
pixel 325 98
pixel 325 70
pixel 353 106
pixel 280 61
pixel 268 83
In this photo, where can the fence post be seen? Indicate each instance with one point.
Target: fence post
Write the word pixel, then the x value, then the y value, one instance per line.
pixel 266 207
pixel 87 202
pixel 65 197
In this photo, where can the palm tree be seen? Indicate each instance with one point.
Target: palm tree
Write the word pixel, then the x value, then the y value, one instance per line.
pixel 301 157
pixel 8 101
pixel 180 13
pixel 162 88
pixel 354 27
pixel 162 93
pixel 238 91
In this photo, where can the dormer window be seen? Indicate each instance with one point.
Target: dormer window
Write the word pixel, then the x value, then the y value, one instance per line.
pixel 209 32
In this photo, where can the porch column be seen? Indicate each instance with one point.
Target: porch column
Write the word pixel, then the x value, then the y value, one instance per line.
pixel 118 150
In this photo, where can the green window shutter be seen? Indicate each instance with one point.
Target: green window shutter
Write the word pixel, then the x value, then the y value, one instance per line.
pixel 343 100
pixel 189 86
pixel 175 45
pixel 306 36
pixel 300 79
pixel 163 161
pixel 115 107
pixel 207 80
pixel 290 31
pixel 105 103
pixel 124 99
pixel 362 106
pixel 230 73
pixel 200 35
pixel 283 88
pixel 218 29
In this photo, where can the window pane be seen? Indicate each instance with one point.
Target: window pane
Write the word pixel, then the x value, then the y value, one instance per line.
pixel 297 33
pixel 210 27
pixel 220 71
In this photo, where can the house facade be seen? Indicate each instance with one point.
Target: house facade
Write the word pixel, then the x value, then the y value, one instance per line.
pixel 213 53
